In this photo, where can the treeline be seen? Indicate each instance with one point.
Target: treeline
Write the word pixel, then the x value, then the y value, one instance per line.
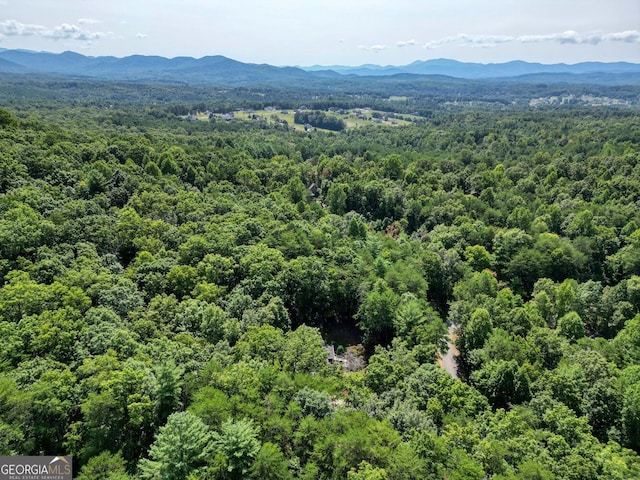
pixel 319 119
pixel 168 288
pixel 423 95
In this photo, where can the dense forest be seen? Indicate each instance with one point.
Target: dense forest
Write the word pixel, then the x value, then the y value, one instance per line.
pixel 169 288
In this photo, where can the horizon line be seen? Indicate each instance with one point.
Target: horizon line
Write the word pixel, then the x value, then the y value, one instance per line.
pixel 319 65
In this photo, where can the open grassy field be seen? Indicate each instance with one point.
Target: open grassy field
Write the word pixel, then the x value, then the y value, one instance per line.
pixel 354 118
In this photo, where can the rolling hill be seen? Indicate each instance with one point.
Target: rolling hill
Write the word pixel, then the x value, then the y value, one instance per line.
pixel 220 70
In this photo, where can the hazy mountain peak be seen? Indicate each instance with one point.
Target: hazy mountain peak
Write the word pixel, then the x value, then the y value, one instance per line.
pixel 224 70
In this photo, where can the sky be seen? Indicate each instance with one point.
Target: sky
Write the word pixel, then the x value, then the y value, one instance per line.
pixel 330 32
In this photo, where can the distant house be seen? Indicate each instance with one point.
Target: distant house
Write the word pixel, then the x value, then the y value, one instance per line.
pixel 228 116
pixel 192 118
pixel 351 361
pixel 332 357
pixel 331 353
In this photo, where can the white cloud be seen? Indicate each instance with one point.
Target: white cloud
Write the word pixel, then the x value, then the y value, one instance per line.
pixel 13 28
pixel 629 36
pixel 465 40
pixel 67 31
pixel 381 47
pixel 373 48
pixel 407 43
pixel 88 21
pixel 142 35
pixel 568 37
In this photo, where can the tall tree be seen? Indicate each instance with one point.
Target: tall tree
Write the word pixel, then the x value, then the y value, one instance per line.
pixel 181 448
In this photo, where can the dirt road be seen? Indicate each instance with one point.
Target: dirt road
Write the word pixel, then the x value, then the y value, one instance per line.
pixel 450 361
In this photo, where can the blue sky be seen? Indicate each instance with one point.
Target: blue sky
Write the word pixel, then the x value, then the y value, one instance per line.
pixel 330 32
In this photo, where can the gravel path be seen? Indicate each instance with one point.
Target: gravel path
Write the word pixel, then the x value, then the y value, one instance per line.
pixel 450 361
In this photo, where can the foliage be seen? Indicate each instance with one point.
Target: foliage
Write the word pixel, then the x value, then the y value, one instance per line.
pixel 170 288
pixel 320 120
pixel 181 447
pixel 239 445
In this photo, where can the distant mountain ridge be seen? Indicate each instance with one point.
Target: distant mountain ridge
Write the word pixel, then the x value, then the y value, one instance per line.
pixel 211 69
pixel 473 71
pixel 220 70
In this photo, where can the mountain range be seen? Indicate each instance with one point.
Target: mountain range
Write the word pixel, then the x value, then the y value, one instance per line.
pixel 220 70
pixel 476 71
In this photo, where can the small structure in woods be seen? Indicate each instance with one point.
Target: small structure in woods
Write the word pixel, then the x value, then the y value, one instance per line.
pixel 351 361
